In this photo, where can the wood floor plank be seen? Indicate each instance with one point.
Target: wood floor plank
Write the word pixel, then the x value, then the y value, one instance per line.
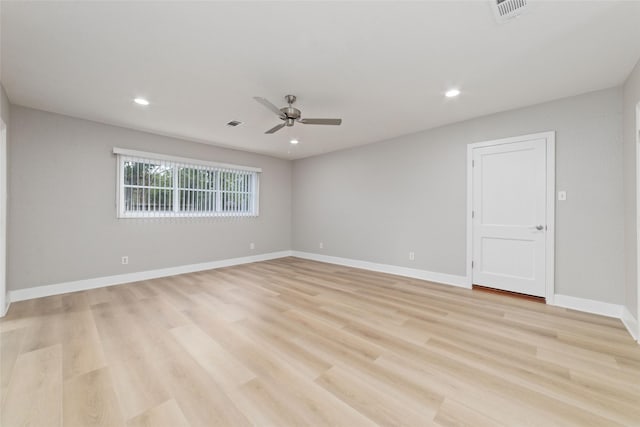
pixel 81 346
pixel 203 401
pixel 479 395
pixel 230 312
pixel 308 363
pixel 454 414
pixel 138 385
pixel 44 333
pixel 74 301
pixel 268 408
pixel 167 414
pixel 90 400
pixel 219 363
pixel 133 365
pixel 34 396
pixel 292 342
pixel 380 407
pixel 559 388
pixel 99 296
pixel 305 404
pixel 9 350
pixel 158 312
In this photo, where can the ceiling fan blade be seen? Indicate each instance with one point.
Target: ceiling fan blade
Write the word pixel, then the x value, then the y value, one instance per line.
pixel 276 128
pixel 334 122
pixel 270 106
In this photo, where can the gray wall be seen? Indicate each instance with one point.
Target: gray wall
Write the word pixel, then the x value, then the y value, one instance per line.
pixel 374 203
pixel 380 201
pixel 4 106
pixel 62 212
pixel 631 99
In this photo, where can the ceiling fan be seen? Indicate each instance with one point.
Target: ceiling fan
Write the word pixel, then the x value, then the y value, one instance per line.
pixel 291 115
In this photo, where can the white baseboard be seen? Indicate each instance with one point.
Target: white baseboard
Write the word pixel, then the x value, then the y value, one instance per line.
pixel 580 304
pixel 588 305
pixel 447 279
pixel 98 282
pixel 631 323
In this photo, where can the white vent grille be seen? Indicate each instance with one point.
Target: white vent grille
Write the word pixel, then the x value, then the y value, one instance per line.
pixel 508 9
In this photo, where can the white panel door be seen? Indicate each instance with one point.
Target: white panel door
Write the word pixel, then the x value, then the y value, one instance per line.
pixel 509 214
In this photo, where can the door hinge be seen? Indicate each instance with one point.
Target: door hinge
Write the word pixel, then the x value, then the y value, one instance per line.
pixel 471 264
pixel 473 163
pixel 473 214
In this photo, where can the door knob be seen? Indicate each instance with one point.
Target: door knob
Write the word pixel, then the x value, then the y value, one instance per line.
pixel 539 227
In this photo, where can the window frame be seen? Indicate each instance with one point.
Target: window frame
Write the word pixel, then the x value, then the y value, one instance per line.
pixel 123 155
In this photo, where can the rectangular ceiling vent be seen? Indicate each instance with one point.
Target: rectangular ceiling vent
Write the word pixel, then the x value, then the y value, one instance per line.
pixel 508 9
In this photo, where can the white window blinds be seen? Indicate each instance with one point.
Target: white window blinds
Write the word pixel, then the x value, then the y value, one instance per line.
pixel 162 186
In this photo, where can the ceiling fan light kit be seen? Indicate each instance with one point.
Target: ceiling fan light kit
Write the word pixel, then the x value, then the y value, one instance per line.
pixel 290 115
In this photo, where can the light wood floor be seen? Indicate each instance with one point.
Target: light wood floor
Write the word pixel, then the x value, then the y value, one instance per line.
pixel 293 342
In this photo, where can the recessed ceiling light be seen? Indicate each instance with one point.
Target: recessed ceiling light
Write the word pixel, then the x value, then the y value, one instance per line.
pixel 141 101
pixel 294 141
pixel 452 93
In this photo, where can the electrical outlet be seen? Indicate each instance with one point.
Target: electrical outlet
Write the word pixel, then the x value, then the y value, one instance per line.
pixel 252 245
pixel 321 245
pixel 562 195
pixel 412 256
pixel 125 260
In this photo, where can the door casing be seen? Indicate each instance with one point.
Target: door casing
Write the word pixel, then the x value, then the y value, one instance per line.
pixel 550 138
pixel 638 220
pixel 3 219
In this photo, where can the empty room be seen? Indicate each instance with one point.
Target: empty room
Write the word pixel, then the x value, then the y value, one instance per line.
pixel 319 213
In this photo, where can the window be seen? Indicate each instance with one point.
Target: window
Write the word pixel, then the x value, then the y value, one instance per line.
pixel 154 185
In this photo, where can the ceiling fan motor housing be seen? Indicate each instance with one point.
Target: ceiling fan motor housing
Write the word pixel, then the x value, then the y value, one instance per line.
pixel 291 115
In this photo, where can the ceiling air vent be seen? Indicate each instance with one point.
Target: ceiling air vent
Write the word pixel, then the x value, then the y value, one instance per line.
pixel 508 9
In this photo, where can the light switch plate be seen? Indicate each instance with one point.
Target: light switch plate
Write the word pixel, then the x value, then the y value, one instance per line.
pixel 562 195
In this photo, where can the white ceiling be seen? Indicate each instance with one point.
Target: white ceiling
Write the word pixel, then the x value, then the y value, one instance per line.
pixel 381 66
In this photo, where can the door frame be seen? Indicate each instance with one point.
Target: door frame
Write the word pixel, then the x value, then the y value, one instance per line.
pixel 550 234
pixel 637 314
pixel 3 219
